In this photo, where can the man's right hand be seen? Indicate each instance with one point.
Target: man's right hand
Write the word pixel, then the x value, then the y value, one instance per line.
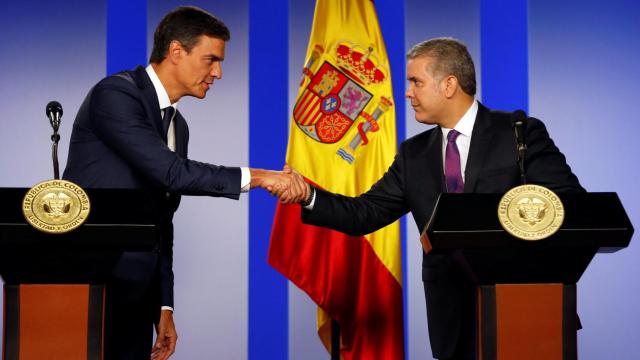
pixel 301 187
pixel 288 185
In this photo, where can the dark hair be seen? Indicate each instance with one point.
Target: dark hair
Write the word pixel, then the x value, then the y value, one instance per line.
pixel 185 24
pixel 451 57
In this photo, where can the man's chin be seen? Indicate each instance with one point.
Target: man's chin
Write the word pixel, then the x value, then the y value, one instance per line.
pixel 423 120
pixel 419 115
pixel 197 96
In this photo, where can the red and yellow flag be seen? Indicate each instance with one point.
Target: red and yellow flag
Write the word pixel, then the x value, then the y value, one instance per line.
pixel 343 139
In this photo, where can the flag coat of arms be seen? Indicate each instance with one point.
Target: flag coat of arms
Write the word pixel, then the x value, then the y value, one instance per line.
pixel 343 139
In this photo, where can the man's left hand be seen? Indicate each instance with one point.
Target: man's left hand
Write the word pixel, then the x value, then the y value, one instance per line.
pixel 167 337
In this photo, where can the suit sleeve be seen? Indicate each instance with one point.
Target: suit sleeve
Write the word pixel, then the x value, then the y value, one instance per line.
pixel 120 121
pixel 380 206
pixel 166 267
pixel 544 163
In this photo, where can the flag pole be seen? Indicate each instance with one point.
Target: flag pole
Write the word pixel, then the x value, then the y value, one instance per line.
pixel 335 340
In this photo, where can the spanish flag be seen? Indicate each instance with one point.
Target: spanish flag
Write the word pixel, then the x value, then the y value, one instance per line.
pixel 343 139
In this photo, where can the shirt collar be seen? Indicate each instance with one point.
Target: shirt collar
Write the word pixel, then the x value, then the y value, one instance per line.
pixel 163 97
pixel 466 122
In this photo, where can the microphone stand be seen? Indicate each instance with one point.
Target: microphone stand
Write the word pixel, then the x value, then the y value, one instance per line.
pixel 521 146
pixel 54 113
pixel 54 152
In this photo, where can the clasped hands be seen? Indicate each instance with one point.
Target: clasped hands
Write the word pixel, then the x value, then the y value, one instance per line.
pixel 288 185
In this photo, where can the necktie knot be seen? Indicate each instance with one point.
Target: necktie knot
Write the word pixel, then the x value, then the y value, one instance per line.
pixel 452 135
pixel 166 118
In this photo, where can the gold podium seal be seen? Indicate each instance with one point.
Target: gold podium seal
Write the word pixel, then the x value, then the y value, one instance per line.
pixel 56 206
pixel 530 212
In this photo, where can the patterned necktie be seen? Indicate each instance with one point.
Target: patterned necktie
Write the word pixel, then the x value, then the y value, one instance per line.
pixel 452 173
pixel 166 118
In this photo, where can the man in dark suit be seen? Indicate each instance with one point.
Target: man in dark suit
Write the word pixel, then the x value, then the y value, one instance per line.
pixel 128 134
pixel 472 149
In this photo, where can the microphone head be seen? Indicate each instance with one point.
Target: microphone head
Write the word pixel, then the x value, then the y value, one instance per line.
pixel 54 113
pixel 519 116
pixel 54 107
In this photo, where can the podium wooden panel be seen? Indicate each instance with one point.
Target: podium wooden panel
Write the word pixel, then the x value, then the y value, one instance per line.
pixel 54 292
pixel 526 290
pixel 526 321
pixel 69 322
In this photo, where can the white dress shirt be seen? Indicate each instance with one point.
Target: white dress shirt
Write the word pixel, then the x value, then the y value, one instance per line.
pixel 463 141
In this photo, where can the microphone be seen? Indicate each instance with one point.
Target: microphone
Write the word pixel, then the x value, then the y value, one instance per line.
pixel 54 113
pixel 519 119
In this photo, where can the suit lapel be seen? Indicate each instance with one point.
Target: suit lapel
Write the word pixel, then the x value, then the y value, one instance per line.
pixel 480 140
pixel 150 95
pixel 144 83
pixel 433 154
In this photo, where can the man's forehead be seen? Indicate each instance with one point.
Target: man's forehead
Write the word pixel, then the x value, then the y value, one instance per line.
pixel 209 40
pixel 422 60
pixel 420 65
pixel 211 45
pixel 417 64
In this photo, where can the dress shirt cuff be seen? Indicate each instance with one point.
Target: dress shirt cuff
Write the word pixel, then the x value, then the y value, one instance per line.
pixel 245 180
pixel 312 202
pixel 166 308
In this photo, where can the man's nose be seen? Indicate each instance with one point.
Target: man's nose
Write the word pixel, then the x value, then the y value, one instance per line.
pixel 216 70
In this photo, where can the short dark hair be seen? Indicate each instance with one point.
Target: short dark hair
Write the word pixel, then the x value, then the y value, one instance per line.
pixel 451 58
pixel 185 24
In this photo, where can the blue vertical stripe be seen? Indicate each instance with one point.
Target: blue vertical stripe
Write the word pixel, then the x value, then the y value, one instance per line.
pixel 391 18
pixel 504 52
pixel 268 129
pixel 126 34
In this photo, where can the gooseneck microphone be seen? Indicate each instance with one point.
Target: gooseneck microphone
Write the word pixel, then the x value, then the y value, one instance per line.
pixel 54 113
pixel 519 120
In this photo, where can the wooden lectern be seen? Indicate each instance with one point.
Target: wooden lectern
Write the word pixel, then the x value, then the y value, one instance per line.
pixel 54 283
pixel 526 299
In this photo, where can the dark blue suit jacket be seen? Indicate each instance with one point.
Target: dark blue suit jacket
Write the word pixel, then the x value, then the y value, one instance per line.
pixel 413 183
pixel 118 142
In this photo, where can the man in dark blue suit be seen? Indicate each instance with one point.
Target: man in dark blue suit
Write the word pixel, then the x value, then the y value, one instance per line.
pixel 128 134
pixel 471 149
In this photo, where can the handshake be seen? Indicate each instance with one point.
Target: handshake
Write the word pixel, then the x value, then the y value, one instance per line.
pixel 288 185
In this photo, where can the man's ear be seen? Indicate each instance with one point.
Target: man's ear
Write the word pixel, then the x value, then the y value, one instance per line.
pixel 175 51
pixel 450 85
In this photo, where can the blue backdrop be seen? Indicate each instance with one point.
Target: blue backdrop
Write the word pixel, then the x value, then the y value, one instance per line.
pixel 570 63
